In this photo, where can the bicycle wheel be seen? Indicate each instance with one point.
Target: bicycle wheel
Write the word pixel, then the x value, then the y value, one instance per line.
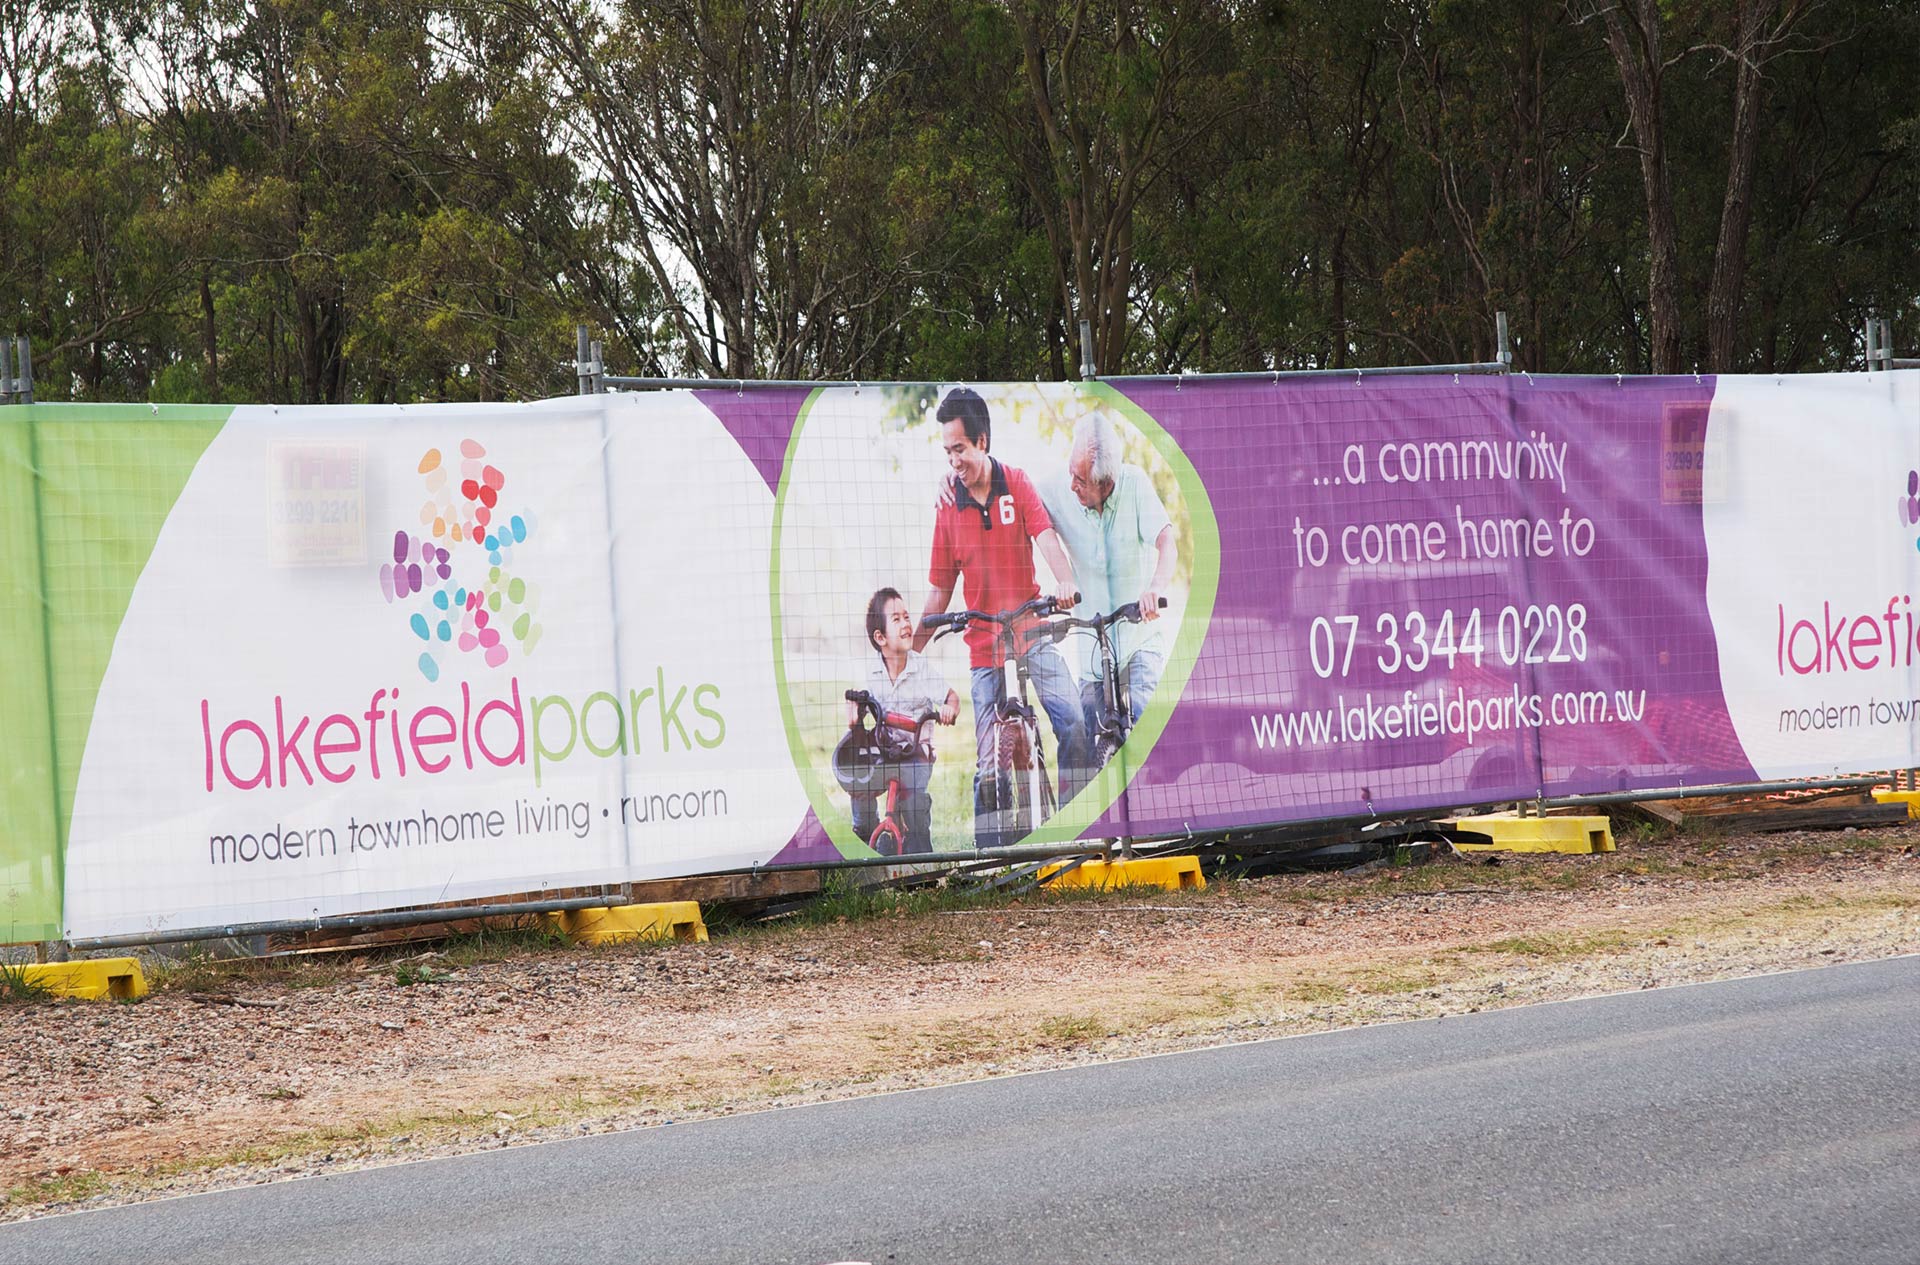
pixel 996 801
pixel 1021 780
pixel 1043 801
pixel 886 839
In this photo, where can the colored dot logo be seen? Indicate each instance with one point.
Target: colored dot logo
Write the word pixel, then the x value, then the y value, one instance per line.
pixel 454 577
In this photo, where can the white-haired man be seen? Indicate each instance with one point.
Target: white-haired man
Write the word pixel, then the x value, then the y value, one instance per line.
pixel 1123 549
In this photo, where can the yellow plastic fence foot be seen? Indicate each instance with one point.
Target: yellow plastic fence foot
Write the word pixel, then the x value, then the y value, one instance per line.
pixel 1167 873
pixel 1512 833
pixel 1910 798
pixel 91 979
pixel 666 920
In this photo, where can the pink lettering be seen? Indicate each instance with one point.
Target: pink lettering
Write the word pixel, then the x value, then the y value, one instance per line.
pixel 466 724
pixel 372 717
pixel 427 740
pixel 322 748
pixel 1793 640
pixel 1865 634
pixel 264 777
pixel 518 753
pixel 393 727
pixel 289 744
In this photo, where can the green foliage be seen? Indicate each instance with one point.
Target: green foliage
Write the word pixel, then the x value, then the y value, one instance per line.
pixel 18 988
pixel 502 942
pixel 845 898
pixel 316 202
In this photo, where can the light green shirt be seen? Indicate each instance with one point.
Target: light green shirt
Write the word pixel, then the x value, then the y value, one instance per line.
pixel 1113 554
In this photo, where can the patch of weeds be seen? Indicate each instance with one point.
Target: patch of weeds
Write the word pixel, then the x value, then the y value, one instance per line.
pixel 725 919
pixel 1066 1029
pixel 844 899
pixel 1632 830
pixel 192 969
pixel 19 988
pixel 70 1188
pixel 1069 893
pixel 935 947
pixel 952 1042
pixel 964 1041
pixel 197 969
pixel 1827 906
pixel 380 1134
pixel 495 944
pixel 1561 945
pixel 1878 842
pixel 407 974
pixel 1317 992
pixel 1389 983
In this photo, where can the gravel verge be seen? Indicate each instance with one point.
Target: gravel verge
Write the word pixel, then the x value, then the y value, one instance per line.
pixel 236 1074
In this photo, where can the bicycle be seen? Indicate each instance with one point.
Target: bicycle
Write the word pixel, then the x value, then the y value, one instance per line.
pixel 1114 720
pixel 893 739
pixel 1014 793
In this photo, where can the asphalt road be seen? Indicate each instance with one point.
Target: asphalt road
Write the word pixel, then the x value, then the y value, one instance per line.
pixel 1770 1119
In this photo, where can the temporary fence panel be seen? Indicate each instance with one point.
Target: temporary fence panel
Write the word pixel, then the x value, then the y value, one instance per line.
pixel 282 664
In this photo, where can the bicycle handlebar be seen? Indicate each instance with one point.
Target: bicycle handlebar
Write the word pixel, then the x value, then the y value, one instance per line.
pixel 895 720
pixel 1042 606
pixel 1130 613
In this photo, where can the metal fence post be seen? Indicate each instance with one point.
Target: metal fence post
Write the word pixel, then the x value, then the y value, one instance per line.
pixel 6 371
pixel 24 353
pixel 1089 367
pixel 1886 344
pixel 597 362
pixel 581 350
pixel 1504 354
pixel 1873 351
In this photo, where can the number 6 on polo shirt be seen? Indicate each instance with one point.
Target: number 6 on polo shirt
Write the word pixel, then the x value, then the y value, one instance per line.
pixel 1006 511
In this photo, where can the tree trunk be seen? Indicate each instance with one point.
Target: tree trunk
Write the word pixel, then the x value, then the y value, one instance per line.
pixel 209 337
pixel 1338 306
pixel 1633 36
pixel 1736 210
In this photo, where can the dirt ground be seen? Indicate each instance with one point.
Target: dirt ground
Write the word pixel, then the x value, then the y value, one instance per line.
pixel 231 1074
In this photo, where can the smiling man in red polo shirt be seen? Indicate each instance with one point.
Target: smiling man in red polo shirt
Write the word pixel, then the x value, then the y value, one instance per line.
pixel 987 534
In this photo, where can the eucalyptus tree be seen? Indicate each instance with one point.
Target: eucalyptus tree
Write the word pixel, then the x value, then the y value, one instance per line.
pixel 1652 42
pixel 742 142
pixel 1096 101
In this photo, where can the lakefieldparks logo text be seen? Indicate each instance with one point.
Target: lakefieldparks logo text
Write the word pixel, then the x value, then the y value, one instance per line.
pixel 454 579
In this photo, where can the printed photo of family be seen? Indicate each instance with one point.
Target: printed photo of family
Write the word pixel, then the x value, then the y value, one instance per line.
pixel 1040 569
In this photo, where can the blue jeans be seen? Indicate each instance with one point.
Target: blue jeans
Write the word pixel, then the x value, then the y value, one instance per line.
pixel 1143 678
pixel 915 813
pixel 1060 700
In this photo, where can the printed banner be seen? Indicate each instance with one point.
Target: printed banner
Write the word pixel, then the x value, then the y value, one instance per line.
pixel 279 664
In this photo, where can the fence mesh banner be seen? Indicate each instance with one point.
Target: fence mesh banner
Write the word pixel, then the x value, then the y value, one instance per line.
pixel 278 664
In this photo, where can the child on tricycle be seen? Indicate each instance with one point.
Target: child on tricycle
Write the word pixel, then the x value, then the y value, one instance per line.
pixel 885 761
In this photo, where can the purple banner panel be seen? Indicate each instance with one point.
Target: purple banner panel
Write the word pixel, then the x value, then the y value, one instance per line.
pixel 1435 591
